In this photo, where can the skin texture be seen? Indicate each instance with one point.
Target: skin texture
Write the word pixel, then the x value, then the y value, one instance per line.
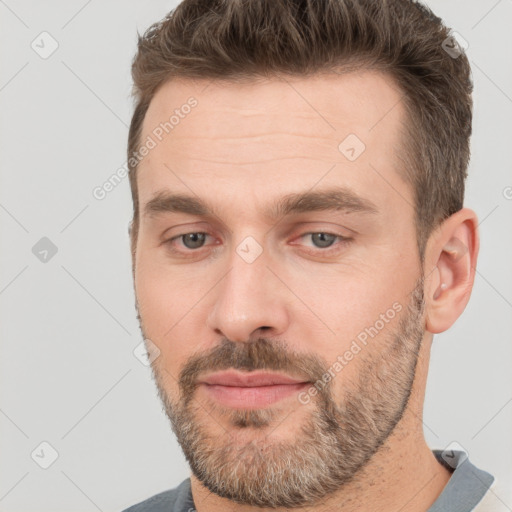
pixel 358 444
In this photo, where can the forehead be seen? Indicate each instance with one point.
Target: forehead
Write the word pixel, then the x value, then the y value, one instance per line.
pixel 268 137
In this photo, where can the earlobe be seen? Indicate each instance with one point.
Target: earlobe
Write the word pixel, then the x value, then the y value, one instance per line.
pixel 453 254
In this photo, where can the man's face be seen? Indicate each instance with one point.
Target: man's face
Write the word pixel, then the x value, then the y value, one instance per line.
pixel 325 296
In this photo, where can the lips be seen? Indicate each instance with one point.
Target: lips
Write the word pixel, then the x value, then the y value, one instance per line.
pixel 253 379
pixel 251 390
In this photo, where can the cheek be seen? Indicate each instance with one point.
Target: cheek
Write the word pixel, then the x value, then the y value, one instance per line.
pixel 154 298
pixel 358 312
pixel 164 307
pixel 165 292
pixel 365 321
pixel 348 303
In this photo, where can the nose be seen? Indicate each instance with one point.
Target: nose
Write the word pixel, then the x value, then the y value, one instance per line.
pixel 250 302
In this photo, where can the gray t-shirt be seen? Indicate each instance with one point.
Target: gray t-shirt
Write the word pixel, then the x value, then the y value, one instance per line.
pixel 465 489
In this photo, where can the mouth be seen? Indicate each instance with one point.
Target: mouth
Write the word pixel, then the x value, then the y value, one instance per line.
pixel 251 390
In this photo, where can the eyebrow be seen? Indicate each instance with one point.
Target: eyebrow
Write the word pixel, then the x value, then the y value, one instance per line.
pixel 332 199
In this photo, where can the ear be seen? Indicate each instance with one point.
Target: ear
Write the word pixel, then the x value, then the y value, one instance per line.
pixel 450 262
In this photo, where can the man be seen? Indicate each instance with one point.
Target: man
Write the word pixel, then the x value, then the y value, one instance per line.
pixel 297 170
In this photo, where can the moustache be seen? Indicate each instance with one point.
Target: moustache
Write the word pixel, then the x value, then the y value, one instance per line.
pixel 258 354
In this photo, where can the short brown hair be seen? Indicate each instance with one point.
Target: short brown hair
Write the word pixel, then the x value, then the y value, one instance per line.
pixel 239 40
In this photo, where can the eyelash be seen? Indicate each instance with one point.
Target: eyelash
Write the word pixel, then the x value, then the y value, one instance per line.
pixel 336 247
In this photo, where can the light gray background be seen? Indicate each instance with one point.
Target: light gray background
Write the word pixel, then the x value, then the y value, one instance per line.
pixel 68 328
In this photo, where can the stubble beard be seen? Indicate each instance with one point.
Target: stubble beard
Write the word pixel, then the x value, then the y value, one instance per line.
pixel 332 444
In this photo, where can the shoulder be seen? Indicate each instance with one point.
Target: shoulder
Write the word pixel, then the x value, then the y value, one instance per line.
pixel 178 499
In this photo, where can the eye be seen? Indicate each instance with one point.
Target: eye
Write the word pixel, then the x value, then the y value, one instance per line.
pixel 190 240
pixel 323 240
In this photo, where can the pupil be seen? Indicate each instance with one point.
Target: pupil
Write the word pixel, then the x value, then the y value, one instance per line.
pixel 323 243
pixel 196 240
